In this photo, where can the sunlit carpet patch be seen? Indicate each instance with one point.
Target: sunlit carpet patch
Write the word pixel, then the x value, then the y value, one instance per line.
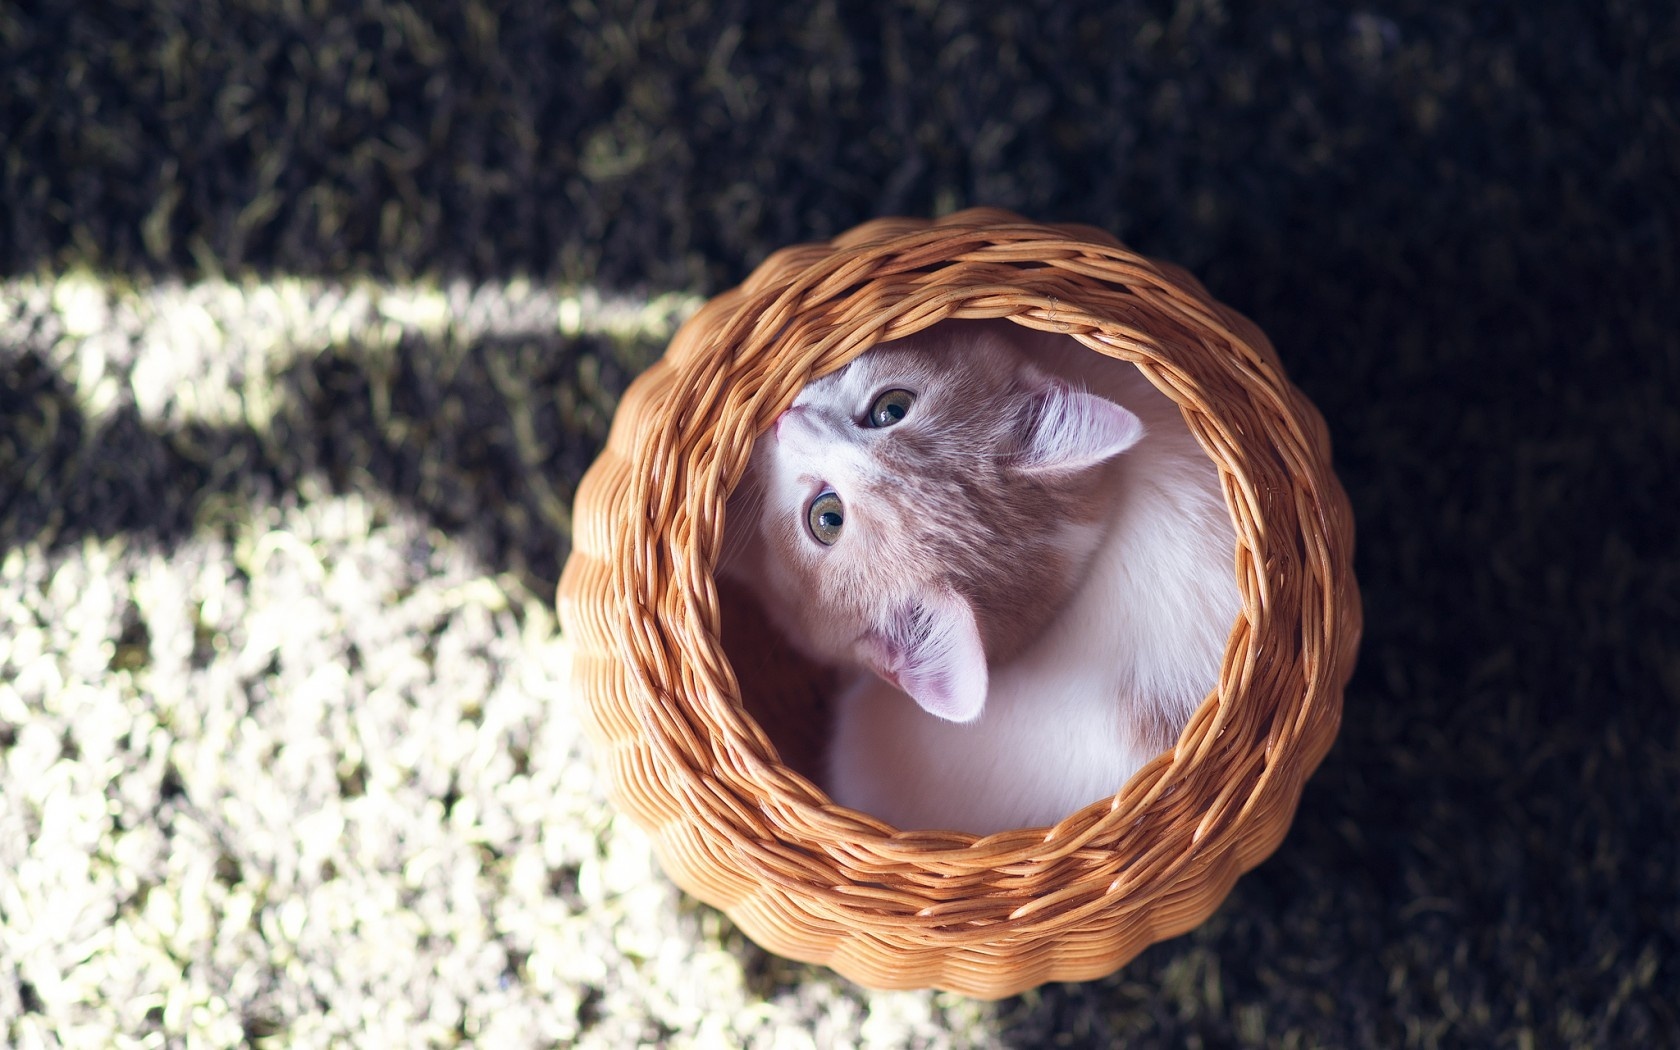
pixel 303 767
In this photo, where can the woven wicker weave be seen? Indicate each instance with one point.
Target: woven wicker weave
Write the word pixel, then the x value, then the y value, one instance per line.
pixel 736 825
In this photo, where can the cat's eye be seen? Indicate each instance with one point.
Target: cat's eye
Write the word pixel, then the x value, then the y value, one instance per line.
pixel 890 407
pixel 825 517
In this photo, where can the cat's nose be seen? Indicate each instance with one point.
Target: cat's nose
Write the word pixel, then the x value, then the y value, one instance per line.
pixel 793 411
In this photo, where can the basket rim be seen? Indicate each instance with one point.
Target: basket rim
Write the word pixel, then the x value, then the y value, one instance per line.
pixel 796 304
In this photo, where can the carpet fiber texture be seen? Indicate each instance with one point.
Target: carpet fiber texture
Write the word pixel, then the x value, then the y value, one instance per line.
pixel 313 314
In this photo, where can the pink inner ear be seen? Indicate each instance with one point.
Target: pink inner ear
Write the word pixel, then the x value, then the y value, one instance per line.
pixel 931 650
pixel 1076 429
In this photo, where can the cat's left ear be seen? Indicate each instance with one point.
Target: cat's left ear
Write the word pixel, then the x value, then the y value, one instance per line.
pixel 931 650
pixel 1074 429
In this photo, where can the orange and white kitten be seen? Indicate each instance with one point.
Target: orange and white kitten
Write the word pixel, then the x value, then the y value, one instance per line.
pixel 1020 553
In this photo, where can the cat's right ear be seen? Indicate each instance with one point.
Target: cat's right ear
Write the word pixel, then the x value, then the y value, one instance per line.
pixel 931 650
pixel 1074 429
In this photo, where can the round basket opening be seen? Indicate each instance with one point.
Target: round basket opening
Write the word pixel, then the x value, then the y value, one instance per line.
pixel 1153 493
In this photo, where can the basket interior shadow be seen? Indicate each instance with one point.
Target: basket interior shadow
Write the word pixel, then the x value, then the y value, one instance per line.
pixel 703 721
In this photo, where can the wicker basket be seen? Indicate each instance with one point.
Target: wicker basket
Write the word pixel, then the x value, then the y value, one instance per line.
pixel 683 724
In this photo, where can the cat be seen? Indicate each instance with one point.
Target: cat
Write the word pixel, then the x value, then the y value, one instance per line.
pixel 1017 554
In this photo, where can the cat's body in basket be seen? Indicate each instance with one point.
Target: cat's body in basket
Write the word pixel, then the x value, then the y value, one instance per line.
pixel 1018 551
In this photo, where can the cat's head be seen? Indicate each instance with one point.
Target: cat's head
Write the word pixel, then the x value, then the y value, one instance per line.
pixel 927 506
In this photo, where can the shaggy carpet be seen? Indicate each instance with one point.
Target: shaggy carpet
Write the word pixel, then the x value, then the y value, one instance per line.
pixel 312 315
